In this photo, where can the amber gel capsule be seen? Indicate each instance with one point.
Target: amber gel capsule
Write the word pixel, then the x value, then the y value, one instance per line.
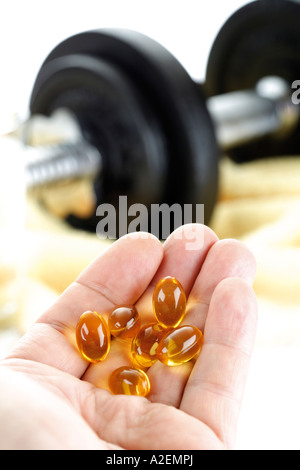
pixel 169 302
pixel 93 337
pixel 124 322
pixel 179 345
pixel 129 381
pixel 144 345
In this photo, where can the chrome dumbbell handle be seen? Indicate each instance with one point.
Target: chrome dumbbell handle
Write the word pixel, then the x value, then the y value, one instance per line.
pixel 48 165
pixel 243 116
pixel 60 166
pixel 239 117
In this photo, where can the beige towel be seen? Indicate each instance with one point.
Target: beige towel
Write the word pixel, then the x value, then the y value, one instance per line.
pixel 260 205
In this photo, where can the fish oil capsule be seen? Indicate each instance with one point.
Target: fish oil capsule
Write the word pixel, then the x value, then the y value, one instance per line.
pixel 179 345
pixel 124 322
pixel 129 381
pixel 169 302
pixel 93 337
pixel 144 345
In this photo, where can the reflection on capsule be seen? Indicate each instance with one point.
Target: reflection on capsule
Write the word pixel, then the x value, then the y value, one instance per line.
pixel 129 381
pixel 169 302
pixel 144 345
pixel 179 345
pixel 92 336
pixel 124 322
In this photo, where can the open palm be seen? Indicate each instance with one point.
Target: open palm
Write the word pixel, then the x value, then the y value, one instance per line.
pixel 51 398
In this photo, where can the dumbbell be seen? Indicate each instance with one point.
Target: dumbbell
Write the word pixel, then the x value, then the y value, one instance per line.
pixel 260 40
pixel 147 130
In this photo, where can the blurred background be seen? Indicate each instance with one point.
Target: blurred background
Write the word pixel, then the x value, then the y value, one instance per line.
pixel 30 30
pixel 258 203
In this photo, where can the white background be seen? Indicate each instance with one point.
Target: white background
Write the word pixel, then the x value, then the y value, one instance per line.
pixel 30 29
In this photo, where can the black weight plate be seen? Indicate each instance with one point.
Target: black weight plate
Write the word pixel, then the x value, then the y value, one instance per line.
pixel 260 39
pixel 115 119
pixel 172 99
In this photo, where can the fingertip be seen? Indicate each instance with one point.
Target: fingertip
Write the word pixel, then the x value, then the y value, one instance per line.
pixel 125 269
pixel 184 252
pixel 247 257
pixel 233 314
pixel 233 287
pixel 195 236
pixel 230 258
pixel 139 236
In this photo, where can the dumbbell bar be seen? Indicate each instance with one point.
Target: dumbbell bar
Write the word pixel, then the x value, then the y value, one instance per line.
pixel 239 117
pixel 147 125
pixel 261 39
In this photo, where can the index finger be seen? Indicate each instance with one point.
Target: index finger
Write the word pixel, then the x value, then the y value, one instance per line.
pixel 118 275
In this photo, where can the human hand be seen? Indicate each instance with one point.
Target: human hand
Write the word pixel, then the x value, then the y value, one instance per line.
pixel 51 398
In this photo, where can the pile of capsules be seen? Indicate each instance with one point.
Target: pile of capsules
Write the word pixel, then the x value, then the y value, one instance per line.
pixel 165 340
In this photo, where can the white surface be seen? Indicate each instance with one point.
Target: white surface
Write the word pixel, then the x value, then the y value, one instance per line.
pixel 30 29
pixel 270 413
